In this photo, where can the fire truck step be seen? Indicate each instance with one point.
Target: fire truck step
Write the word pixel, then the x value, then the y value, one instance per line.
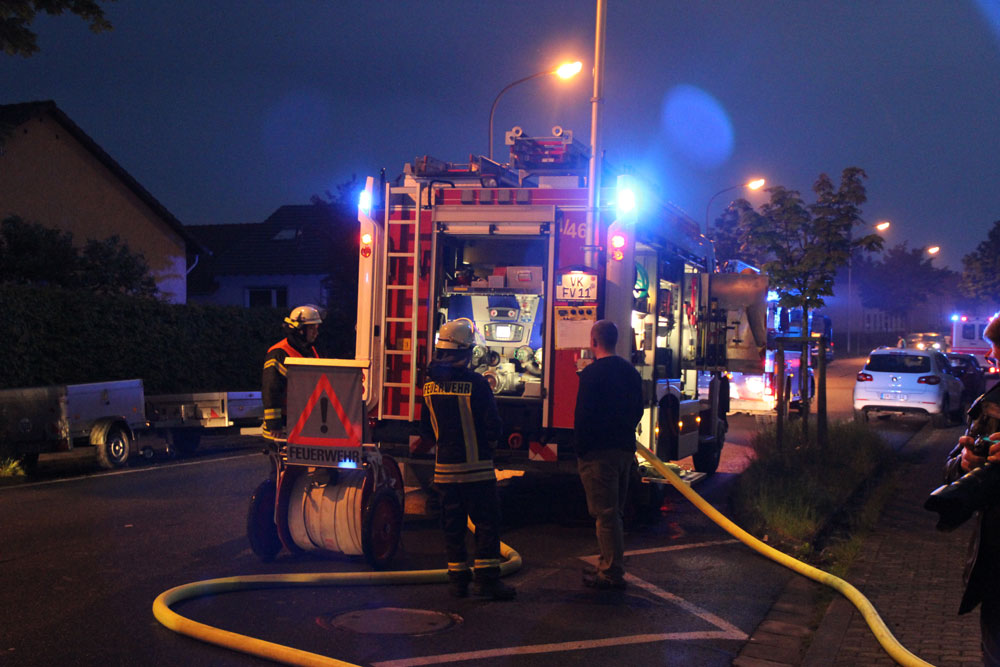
pixel 403 352
pixel 400 286
pixel 399 385
pixel 402 254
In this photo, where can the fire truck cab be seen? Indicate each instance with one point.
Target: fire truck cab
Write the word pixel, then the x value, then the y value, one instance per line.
pixel 510 247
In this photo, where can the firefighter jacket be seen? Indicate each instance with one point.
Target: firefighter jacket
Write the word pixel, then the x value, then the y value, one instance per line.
pixel 274 386
pixel 461 415
pixel 982 567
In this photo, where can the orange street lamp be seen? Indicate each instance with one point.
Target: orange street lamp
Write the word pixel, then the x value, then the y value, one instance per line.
pixel 564 71
pixel 933 250
pixel 884 225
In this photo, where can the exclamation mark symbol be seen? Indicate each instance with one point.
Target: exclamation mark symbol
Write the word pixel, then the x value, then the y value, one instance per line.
pixel 324 403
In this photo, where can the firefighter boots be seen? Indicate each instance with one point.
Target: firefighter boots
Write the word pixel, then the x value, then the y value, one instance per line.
pixel 490 586
pixel 458 584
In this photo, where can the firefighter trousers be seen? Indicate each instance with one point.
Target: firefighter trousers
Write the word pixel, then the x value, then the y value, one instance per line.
pixel 477 501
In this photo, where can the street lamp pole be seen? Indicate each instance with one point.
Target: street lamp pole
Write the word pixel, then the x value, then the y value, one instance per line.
pixel 756 184
pixel 565 71
pixel 882 226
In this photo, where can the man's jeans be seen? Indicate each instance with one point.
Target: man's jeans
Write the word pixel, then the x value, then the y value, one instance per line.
pixel 605 473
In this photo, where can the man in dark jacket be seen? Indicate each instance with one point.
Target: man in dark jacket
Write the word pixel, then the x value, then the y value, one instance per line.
pixel 608 408
pixel 982 569
pixel 302 328
pixel 460 415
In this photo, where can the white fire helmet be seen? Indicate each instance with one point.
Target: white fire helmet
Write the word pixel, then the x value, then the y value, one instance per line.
pixel 456 335
pixel 303 315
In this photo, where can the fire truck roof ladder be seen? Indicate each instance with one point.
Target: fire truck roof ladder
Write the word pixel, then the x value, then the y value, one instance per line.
pixel 403 266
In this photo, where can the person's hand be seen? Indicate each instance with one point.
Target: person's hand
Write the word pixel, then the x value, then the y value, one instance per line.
pixel 970 460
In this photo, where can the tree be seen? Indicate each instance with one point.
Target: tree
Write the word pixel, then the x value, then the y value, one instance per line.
pixel 16 36
pixel 802 246
pixel 903 279
pixel 981 268
pixel 110 267
pixel 31 254
pixel 725 235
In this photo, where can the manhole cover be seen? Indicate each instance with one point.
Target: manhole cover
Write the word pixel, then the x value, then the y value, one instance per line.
pixel 392 621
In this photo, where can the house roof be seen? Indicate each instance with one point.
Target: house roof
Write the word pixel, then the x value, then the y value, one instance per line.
pixel 309 239
pixel 15 115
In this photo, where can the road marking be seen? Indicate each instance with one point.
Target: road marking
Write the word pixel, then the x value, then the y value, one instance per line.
pixel 551 648
pixel 725 630
pixel 129 471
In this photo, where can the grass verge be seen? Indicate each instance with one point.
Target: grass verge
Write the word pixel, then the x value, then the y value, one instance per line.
pixel 814 502
pixel 11 468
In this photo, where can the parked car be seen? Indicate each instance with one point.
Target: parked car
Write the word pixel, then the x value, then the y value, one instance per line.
pixel 908 381
pixel 972 375
pixel 928 341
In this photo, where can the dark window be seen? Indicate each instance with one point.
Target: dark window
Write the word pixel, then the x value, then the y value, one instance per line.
pixel 898 363
pixel 968 331
pixel 267 297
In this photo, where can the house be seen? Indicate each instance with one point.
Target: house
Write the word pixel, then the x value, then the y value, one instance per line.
pixel 52 173
pixel 300 254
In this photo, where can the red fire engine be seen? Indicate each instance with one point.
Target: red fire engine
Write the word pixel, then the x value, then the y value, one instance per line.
pixel 506 245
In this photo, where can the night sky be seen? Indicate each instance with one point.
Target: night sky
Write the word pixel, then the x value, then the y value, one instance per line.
pixel 225 110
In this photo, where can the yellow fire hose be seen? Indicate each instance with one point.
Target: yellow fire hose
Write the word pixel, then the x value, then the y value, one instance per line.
pixel 512 563
pixel 878 627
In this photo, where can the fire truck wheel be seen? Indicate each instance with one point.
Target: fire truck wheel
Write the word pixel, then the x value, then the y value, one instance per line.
pixel 381 528
pixel 706 459
pixel 261 531
pixel 183 441
pixel 114 451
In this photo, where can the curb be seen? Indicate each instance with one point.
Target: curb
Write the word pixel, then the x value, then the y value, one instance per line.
pixel 789 636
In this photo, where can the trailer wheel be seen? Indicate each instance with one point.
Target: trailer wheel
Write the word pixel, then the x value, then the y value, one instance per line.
pixel 381 528
pixel 183 441
pixel 261 531
pixel 28 463
pixel 114 450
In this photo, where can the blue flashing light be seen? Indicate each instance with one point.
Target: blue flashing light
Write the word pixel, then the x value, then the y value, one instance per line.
pixel 626 201
pixel 365 201
pixel 954 318
pixel 772 295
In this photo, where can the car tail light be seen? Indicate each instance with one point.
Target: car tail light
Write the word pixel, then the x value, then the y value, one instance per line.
pixel 929 379
pixel 865 377
pixel 993 370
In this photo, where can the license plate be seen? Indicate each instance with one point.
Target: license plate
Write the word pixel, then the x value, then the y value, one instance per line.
pixel 326 457
pixel 893 397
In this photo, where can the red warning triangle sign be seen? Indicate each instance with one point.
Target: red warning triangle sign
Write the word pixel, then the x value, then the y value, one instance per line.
pixel 351 432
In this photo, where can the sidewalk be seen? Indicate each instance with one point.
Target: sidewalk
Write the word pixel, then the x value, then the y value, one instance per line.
pixel 910 572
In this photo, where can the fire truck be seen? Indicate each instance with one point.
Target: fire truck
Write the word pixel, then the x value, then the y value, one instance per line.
pixel 509 246
pixel 756 322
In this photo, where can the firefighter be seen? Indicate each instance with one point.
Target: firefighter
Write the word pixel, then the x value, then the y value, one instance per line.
pixel 301 327
pixel 461 417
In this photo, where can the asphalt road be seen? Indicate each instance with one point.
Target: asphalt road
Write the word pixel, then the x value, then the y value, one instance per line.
pixel 84 555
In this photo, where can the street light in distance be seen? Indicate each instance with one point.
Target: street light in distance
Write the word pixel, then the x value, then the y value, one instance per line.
pixel 882 226
pixel 564 71
pixel 755 184
pixel 933 250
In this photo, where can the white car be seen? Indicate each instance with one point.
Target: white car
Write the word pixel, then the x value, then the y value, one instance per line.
pixel 908 381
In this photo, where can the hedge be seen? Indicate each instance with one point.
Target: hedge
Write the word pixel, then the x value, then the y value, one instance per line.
pixel 59 336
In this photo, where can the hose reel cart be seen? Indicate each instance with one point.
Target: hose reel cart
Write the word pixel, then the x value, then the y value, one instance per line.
pixel 329 492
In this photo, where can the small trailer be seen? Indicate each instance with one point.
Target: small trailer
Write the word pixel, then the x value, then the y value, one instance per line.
pixel 111 417
pixel 39 420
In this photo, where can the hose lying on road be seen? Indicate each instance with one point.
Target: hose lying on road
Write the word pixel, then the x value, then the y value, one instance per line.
pixel 278 652
pixel 878 627
pixel 511 563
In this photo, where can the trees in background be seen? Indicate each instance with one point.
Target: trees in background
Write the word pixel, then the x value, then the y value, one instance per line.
pixel 16 36
pixel 981 269
pixel 31 254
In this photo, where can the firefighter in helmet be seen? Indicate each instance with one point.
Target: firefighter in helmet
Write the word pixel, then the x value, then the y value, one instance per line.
pixel 301 327
pixel 461 417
